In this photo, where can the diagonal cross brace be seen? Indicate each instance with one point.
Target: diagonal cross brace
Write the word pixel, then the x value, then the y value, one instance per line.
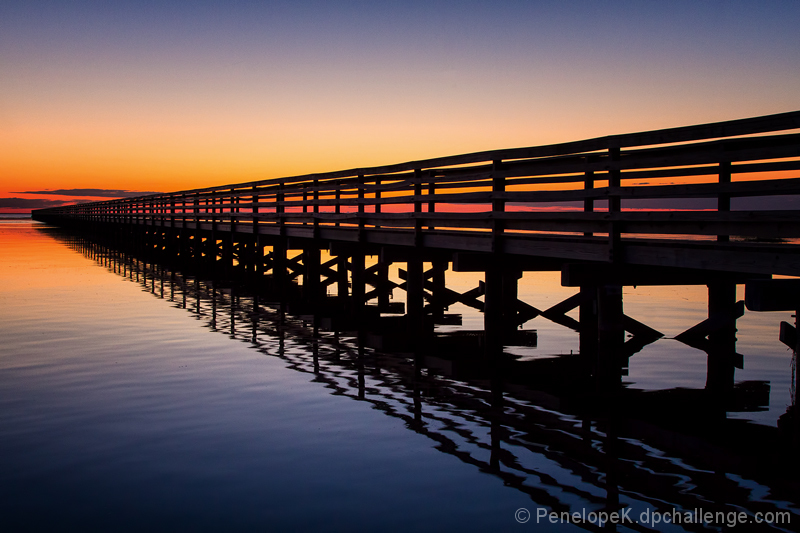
pixel 449 296
pixel 700 332
pixel 697 336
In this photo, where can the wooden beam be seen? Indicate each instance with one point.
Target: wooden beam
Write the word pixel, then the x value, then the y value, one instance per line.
pixel 579 274
pixel 773 295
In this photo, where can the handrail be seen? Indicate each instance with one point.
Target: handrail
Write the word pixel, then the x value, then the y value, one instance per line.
pixel 747 158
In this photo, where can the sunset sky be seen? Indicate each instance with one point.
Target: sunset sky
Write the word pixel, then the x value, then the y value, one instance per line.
pixel 101 99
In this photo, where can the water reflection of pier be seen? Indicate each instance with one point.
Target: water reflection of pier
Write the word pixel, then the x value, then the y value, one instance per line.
pixel 543 427
pixel 709 204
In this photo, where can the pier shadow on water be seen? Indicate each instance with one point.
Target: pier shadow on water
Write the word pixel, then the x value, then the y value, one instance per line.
pixel 567 432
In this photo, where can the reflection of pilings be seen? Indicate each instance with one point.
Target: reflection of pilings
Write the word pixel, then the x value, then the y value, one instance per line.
pixel 495 420
pixel 611 456
pixel 498 439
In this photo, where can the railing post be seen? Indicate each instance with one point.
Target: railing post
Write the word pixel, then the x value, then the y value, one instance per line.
pixel 588 185
pixel 280 209
pixel 377 199
pixel 255 199
pixel 258 251
pixel 337 208
pixel 233 210
pixel 724 198
pixel 316 207
pixel 498 205
pixel 213 202
pixel 614 203
pixel 417 207
pixel 360 207
pixel 183 211
pixel 431 196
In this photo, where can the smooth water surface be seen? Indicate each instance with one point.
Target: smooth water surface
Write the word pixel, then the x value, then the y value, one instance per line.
pixel 163 403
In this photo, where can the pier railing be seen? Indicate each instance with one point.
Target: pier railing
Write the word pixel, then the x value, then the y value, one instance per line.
pixel 730 182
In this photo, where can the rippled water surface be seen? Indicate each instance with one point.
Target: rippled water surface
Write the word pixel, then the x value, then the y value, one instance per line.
pixel 170 404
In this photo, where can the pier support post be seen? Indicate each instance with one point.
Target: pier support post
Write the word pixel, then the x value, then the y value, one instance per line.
pixel 227 253
pixel 311 285
pixel 357 262
pixel 258 258
pixel 279 267
pixel 500 305
pixel 341 274
pixel 384 291
pixel 588 328
pixel 510 296
pixel 493 310
pixel 438 287
pixel 415 298
pixel 721 340
pixel 610 337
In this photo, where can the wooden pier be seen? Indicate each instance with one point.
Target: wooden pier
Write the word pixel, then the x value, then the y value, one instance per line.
pixel 714 204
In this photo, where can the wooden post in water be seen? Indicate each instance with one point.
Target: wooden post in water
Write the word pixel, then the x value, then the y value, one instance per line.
pixel 438 269
pixel 588 328
pixel 358 287
pixel 383 289
pixel 311 275
pixel 415 299
pixel 279 266
pixel 721 339
pixel 610 337
pixel 511 277
pixel 493 309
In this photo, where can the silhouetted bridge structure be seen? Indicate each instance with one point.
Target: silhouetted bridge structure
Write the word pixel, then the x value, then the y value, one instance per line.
pixel 713 204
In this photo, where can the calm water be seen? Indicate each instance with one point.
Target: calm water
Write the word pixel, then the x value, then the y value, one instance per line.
pixel 133 397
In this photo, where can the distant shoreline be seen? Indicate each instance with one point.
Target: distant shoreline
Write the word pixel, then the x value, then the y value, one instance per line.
pixel 15 216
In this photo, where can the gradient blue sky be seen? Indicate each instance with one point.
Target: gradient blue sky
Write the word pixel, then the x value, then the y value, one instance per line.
pixel 171 95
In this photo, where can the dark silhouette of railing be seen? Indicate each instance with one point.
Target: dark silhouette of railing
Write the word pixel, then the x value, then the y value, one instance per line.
pixel 616 199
